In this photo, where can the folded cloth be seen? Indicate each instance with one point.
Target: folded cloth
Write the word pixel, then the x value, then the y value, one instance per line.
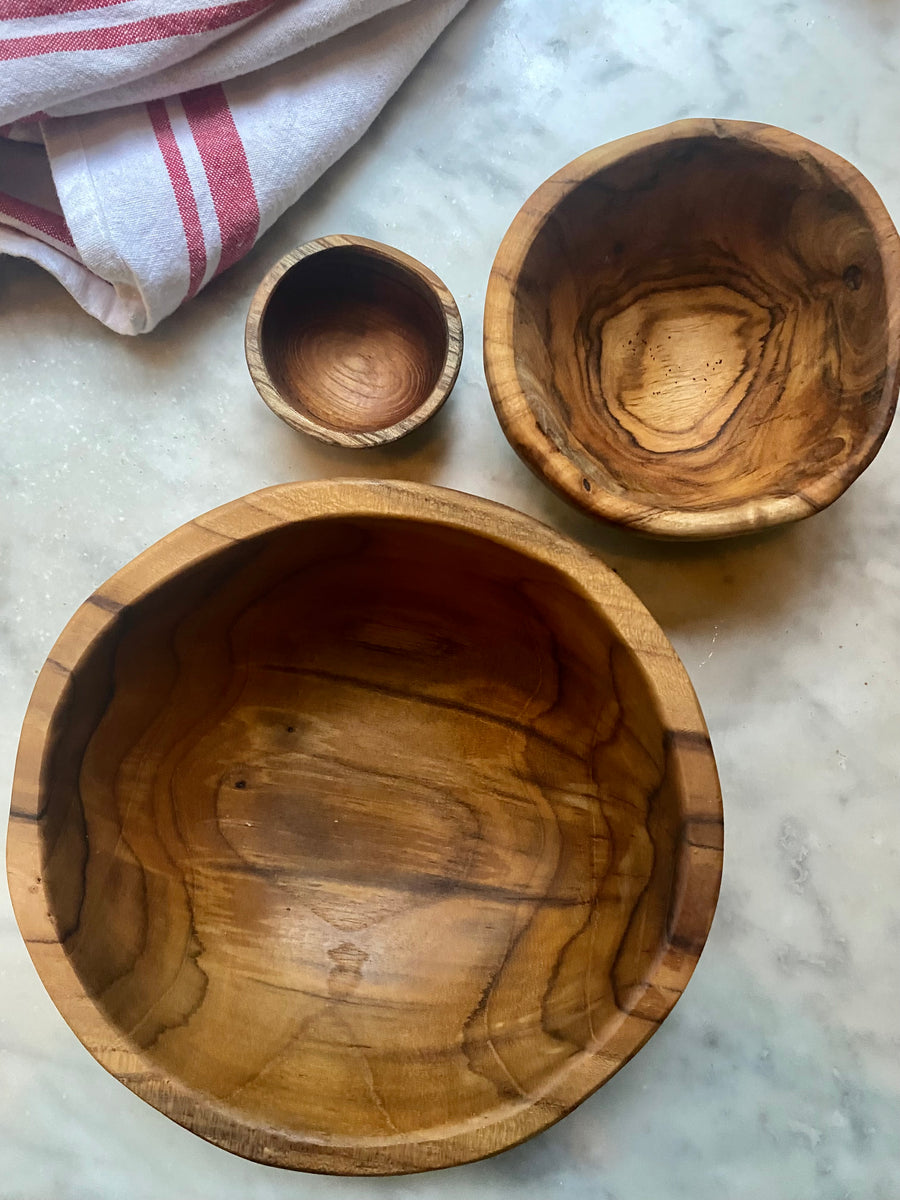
pixel 146 147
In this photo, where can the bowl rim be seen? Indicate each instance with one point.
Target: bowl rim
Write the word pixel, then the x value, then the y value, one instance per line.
pixel 551 464
pixel 697 851
pixel 426 279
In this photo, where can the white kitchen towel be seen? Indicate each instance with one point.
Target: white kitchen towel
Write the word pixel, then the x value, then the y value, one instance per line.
pixel 144 154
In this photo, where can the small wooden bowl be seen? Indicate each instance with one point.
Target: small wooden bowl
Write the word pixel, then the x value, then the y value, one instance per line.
pixel 695 332
pixel 364 828
pixel 353 342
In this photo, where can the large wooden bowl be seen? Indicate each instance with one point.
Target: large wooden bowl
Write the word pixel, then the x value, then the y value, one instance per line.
pixel 695 332
pixel 364 828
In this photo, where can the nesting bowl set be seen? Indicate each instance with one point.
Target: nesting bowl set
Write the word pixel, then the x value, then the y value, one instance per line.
pixel 369 827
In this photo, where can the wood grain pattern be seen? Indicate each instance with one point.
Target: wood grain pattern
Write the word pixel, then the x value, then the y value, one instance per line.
pixel 353 342
pixel 364 828
pixel 695 331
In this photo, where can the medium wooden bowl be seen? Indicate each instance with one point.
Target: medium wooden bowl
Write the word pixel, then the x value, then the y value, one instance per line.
pixel 694 332
pixel 364 828
pixel 353 342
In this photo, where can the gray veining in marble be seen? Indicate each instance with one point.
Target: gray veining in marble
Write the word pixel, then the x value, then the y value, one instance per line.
pixel 778 1075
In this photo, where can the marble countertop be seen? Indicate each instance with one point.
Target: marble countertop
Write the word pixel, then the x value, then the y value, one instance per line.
pixel 779 1072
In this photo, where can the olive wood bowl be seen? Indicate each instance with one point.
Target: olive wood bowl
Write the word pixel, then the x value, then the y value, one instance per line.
pixel 364 828
pixel 694 332
pixel 353 342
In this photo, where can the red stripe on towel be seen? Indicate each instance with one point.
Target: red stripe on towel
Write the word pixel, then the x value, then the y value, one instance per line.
pixel 133 33
pixel 42 220
pixel 184 193
pixel 227 171
pixel 16 9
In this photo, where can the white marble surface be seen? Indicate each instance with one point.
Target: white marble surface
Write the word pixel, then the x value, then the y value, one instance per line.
pixel 778 1075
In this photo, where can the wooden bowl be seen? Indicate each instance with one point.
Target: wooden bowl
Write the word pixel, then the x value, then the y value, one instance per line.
pixel 694 332
pixel 364 828
pixel 353 342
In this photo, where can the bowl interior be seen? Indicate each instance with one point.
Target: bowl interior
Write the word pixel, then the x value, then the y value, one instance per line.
pixel 704 322
pixel 353 340
pixel 364 827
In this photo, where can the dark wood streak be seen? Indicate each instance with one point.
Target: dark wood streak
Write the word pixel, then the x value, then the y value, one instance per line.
pixel 380 803
pixel 712 845
pixel 99 600
pixel 688 737
pixel 419 697
pixel 18 814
